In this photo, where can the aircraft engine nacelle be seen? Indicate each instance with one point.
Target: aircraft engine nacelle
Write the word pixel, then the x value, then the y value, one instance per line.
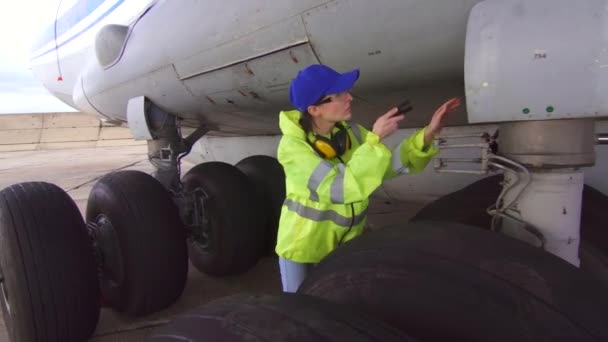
pixel 529 66
pixel 537 60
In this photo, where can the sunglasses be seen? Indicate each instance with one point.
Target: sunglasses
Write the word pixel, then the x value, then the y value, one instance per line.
pixel 329 98
pixel 323 101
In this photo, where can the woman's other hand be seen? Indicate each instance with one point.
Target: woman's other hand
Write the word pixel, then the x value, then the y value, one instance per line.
pixel 387 124
pixel 434 127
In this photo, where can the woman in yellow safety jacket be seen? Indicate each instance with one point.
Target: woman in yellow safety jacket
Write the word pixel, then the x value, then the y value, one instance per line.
pixel 332 167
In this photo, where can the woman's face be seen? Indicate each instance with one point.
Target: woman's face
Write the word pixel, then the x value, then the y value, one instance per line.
pixel 333 108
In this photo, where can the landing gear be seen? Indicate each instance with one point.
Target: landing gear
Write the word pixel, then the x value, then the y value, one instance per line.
pixel 140 242
pixel 268 179
pixel 281 318
pixel 226 231
pixel 132 253
pixel 541 196
pixel 225 221
pixel 468 206
pixel 445 281
pixel 48 280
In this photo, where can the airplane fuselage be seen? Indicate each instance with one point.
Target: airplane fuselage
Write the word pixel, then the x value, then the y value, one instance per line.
pixel 532 73
pixel 229 65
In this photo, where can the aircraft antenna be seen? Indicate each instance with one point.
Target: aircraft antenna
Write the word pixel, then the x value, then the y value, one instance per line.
pixel 60 77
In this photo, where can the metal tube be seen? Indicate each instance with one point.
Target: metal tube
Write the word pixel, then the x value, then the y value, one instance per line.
pixel 551 203
pixel 471 172
pixel 601 139
pixel 463 146
pixel 521 167
pixel 462 160
pixel 471 135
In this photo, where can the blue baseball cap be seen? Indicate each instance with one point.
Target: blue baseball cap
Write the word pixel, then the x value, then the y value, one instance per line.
pixel 316 81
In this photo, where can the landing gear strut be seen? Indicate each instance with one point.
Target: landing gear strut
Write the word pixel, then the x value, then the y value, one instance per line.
pixel 217 202
pixel 166 147
pixel 540 201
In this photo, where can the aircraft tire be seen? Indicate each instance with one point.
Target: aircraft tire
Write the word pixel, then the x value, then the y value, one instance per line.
pixel 275 318
pixel 234 242
pixel 268 178
pixel 146 261
pixel 468 206
pixel 447 281
pixel 49 290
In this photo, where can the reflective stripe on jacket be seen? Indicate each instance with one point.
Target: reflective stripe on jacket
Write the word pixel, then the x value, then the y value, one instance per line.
pixel 326 201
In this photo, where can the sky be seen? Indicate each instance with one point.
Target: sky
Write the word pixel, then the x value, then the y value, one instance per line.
pixel 20 92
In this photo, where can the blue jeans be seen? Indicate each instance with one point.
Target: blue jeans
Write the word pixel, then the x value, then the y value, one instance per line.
pixel 292 274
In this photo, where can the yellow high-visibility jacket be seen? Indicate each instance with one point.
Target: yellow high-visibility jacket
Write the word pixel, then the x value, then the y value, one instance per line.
pixel 326 201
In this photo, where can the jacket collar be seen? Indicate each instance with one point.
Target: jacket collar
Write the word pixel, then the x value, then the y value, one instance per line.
pixel 289 123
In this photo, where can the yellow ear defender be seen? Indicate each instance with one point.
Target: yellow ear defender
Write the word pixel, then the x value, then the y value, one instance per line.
pixel 334 147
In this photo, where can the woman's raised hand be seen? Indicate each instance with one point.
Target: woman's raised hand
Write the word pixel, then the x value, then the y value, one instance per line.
pixel 434 127
pixel 387 124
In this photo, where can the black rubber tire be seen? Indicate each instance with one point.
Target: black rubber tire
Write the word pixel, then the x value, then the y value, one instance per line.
pixel 237 235
pixel 456 282
pixel 593 250
pixel 46 257
pixel 151 242
pixel 282 318
pixel 268 178
pixel 468 206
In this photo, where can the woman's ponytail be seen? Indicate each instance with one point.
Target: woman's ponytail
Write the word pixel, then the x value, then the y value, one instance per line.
pixel 306 122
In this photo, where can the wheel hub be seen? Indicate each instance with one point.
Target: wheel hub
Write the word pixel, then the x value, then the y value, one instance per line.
pixel 201 237
pixel 201 224
pixel 4 293
pixel 107 249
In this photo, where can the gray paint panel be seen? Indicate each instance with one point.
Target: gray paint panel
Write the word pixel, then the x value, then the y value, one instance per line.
pixel 394 43
pixel 162 87
pixel 175 31
pixel 273 38
pixel 258 86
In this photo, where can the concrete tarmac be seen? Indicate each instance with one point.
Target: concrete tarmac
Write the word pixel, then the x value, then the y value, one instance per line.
pixel 77 170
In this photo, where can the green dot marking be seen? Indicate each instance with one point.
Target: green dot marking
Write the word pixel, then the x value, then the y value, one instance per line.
pixel 526 111
pixel 550 109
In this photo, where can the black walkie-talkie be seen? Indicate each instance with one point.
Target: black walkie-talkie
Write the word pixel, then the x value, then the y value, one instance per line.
pixel 404 107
